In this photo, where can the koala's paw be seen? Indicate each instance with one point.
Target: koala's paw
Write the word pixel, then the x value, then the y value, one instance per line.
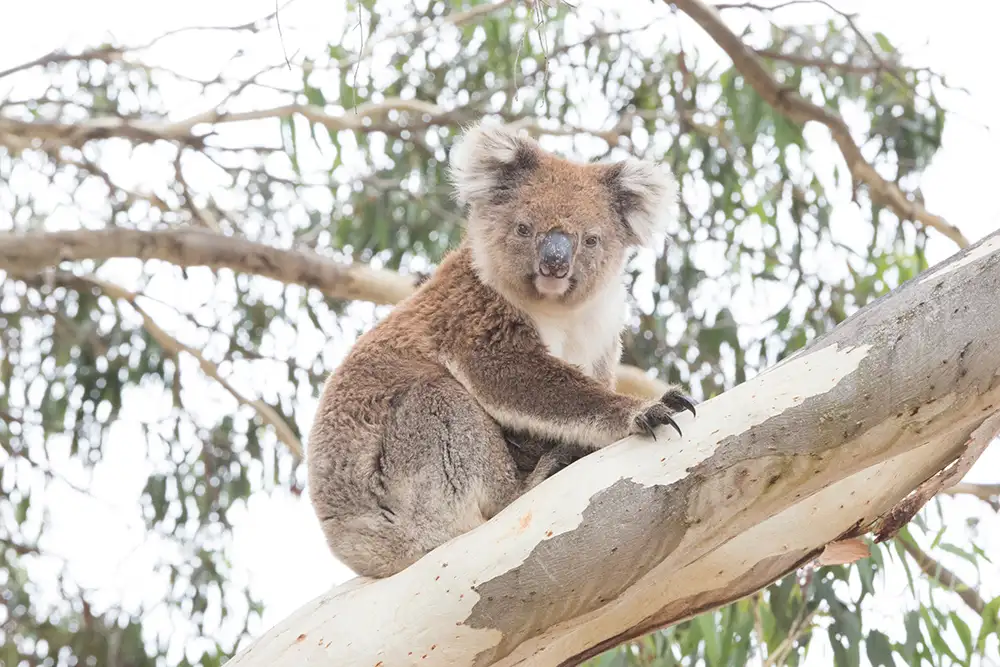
pixel 661 412
pixel 677 401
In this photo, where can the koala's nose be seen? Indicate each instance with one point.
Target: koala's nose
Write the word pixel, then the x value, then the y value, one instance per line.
pixel 554 255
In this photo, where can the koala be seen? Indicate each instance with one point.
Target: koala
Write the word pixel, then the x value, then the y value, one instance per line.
pixel 499 369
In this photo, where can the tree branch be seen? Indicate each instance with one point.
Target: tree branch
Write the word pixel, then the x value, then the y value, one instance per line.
pixel 268 414
pixel 798 110
pixel 820 63
pixel 943 575
pixel 141 130
pixel 26 255
pixel 988 493
pixel 106 54
pixel 110 54
pixel 646 533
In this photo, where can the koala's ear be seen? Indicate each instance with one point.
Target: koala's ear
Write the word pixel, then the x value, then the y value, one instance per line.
pixel 489 161
pixel 644 195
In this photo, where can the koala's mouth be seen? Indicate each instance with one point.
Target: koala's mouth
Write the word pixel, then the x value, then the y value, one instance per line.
pixel 553 287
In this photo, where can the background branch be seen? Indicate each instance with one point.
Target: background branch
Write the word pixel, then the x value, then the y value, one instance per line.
pixel 797 109
pixel 27 255
pixel 946 577
pixel 268 414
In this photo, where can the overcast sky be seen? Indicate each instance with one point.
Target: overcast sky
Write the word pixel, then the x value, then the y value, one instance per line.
pixel 278 545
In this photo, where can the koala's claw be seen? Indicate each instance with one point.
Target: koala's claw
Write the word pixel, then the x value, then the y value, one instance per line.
pixel 653 416
pixel 678 401
pixel 659 413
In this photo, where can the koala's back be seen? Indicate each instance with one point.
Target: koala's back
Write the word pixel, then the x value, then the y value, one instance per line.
pixel 401 457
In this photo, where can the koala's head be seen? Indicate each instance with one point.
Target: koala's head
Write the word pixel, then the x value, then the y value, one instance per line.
pixel 546 229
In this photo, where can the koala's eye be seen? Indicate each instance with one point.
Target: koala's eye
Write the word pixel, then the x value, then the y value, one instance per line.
pixel 523 230
pixel 591 241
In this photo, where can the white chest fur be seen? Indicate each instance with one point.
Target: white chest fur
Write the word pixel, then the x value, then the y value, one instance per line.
pixel 586 336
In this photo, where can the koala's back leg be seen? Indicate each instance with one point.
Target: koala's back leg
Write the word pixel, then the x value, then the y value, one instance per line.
pixel 552 461
pixel 443 469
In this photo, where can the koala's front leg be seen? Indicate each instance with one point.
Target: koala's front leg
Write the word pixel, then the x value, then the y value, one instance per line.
pixel 540 394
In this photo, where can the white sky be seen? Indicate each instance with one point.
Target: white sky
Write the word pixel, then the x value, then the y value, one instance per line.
pixel 278 546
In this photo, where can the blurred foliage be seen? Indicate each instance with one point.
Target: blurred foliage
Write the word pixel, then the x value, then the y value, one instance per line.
pixel 759 264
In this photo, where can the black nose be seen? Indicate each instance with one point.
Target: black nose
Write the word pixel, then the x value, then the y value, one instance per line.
pixel 554 255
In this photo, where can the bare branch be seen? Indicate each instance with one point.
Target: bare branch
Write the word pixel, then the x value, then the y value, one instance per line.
pixel 113 53
pixel 762 8
pixel 27 254
pixel 139 130
pixel 798 110
pixel 174 346
pixel 105 54
pixel 946 577
pixel 989 493
pixel 820 63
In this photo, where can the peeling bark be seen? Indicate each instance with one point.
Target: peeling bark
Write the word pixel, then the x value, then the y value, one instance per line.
pixel 644 534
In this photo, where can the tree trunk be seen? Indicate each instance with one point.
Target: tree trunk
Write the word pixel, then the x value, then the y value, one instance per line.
pixel 830 443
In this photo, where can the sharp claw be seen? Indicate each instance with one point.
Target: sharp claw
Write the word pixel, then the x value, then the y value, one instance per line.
pixel 677 428
pixel 689 406
pixel 682 402
pixel 646 427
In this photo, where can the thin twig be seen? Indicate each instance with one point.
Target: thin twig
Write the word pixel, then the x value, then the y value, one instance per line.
pixel 820 63
pixel 800 626
pixel 103 53
pixel 281 37
pixel 109 53
pixel 762 8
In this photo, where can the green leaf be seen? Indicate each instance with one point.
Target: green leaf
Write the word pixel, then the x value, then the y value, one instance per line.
pixel 710 633
pixel 934 632
pixel 21 509
pixel 884 42
pixel 990 623
pixel 964 634
pixel 961 553
pixel 879 649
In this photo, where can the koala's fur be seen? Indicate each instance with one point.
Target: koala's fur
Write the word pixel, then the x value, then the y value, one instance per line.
pixel 488 378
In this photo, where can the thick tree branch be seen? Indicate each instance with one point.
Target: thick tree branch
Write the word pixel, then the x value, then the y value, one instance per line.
pixel 822 447
pixel 798 110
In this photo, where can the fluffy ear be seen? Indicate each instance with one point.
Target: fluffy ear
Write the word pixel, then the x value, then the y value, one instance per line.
pixel 644 194
pixel 488 162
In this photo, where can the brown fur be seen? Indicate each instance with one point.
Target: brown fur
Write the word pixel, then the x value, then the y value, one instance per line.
pixel 479 386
